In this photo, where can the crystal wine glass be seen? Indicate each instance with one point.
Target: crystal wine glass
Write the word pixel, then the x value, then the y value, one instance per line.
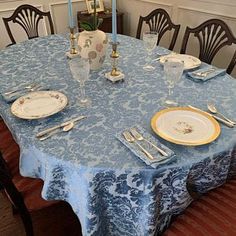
pixel 80 68
pixel 173 70
pixel 150 41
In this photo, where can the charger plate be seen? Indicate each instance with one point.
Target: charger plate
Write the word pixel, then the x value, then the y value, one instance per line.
pixel 190 62
pixel 39 104
pixel 183 125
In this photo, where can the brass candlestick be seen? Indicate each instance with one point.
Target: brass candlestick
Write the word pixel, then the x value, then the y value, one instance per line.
pixel 114 57
pixel 114 75
pixel 73 42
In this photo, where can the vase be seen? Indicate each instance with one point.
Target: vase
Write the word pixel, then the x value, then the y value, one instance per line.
pixel 93 45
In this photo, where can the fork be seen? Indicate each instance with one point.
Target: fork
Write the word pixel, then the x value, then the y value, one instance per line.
pixel 129 138
pixel 139 137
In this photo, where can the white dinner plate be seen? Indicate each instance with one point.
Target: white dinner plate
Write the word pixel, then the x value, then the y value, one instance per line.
pixel 183 125
pixel 190 62
pixel 39 104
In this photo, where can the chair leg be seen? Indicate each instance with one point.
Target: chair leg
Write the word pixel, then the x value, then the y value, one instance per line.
pixel 27 221
pixel 14 210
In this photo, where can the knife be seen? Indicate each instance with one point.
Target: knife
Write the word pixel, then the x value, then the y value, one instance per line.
pixel 214 116
pixel 42 133
pixel 30 86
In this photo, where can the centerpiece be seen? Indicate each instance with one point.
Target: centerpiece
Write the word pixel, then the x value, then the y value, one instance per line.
pixel 92 42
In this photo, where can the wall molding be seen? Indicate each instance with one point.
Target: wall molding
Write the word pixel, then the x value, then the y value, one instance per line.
pixel 171 6
pixel 13 8
pixel 157 3
pixel 4 1
pixel 52 6
pixel 212 13
pixel 219 2
pixel 62 3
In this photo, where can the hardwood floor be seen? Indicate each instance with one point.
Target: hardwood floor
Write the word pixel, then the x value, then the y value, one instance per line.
pixel 53 221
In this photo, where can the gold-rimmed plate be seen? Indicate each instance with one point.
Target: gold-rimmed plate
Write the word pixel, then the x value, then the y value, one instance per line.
pixel 185 126
pixel 39 104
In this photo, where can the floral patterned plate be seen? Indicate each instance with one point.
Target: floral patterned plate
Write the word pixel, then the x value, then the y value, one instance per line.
pixel 190 62
pixel 39 104
pixel 183 125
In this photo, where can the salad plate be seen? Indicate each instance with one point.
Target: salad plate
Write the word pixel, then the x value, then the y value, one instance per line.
pixel 39 104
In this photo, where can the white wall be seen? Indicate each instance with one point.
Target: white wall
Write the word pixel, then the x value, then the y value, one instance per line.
pixel 186 13
pixel 58 9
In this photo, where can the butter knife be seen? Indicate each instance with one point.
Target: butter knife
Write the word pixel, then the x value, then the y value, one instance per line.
pixel 42 133
pixel 214 116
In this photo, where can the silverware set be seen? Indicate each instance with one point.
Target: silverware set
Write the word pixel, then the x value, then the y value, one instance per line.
pixel 133 136
pixel 63 127
pixel 221 118
pixel 28 88
pixel 212 108
pixel 204 73
pixel 161 55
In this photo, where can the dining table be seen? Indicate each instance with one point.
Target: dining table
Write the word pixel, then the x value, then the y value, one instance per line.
pixel 111 190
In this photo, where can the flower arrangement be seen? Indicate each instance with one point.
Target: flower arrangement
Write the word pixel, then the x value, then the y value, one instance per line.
pixel 93 22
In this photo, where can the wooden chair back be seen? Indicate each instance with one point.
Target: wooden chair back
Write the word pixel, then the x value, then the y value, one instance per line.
pixel 28 17
pixel 159 20
pixel 15 196
pixel 232 64
pixel 212 35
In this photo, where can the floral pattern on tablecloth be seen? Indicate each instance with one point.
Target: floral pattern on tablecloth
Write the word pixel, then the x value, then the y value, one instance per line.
pixel 111 190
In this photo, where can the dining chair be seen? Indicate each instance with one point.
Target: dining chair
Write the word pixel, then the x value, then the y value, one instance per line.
pixel 232 64
pixel 159 20
pixel 24 193
pixel 212 35
pixel 213 214
pixel 28 17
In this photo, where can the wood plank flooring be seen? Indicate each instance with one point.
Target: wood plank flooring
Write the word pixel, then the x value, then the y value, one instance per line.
pixel 53 221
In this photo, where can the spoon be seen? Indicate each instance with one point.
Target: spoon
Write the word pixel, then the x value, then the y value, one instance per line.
pixel 213 109
pixel 66 128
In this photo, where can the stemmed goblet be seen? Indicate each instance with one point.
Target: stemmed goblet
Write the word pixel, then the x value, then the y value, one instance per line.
pixel 173 70
pixel 80 69
pixel 150 41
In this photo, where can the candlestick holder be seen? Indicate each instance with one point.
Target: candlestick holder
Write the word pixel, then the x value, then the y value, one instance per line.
pixel 114 75
pixel 73 52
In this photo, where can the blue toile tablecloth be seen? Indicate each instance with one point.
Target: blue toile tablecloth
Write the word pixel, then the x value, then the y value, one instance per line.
pixel 112 191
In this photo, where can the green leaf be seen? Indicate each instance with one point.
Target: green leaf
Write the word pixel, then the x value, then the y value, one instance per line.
pixel 93 21
pixel 86 26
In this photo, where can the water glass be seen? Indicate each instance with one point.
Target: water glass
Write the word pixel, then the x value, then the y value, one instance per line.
pixel 80 69
pixel 150 41
pixel 173 70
